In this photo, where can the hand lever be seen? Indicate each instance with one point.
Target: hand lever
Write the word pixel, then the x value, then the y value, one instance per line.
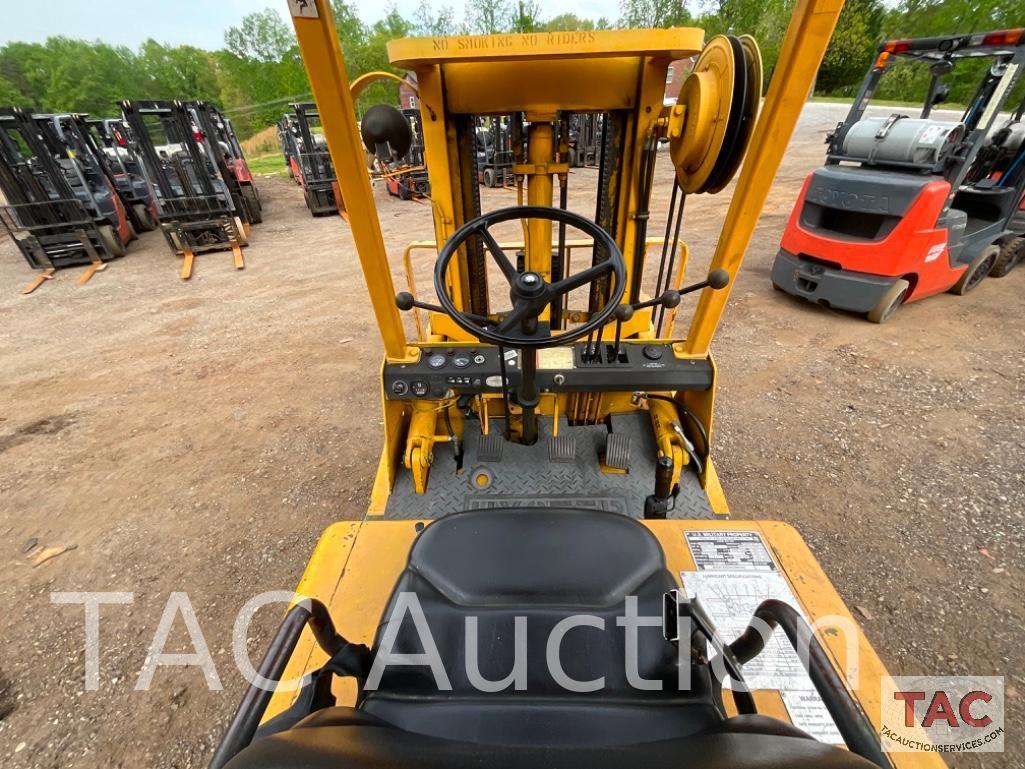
pixel 405 302
pixel 716 280
pixel 624 312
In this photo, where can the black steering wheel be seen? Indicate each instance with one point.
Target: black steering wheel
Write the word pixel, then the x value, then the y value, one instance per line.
pixel 530 293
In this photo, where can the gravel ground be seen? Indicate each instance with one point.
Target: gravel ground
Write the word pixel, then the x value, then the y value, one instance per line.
pixel 198 436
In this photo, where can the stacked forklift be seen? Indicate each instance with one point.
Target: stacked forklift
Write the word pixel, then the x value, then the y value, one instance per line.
pixel 584 140
pixel 108 139
pixel 310 161
pixel 908 207
pixel 200 199
pixel 61 209
pixel 219 136
pixel 495 154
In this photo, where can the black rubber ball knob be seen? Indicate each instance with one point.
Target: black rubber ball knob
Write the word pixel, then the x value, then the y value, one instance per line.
pixel 671 299
pixel 404 301
pixel 624 312
pixel 718 279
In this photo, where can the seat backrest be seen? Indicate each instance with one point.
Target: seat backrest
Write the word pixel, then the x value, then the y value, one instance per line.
pixel 494 569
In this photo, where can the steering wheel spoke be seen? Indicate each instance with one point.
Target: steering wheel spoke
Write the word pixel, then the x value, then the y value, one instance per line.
pixel 581 278
pixel 529 292
pixel 512 321
pixel 507 267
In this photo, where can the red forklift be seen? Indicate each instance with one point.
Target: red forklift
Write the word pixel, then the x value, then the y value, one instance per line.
pixel 216 129
pixel 107 138
pixel 60 209
pixel 287 132
pixel 313 168
pixel 907 207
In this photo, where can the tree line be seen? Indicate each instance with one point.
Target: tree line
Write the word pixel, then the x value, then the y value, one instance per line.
pixel 259 69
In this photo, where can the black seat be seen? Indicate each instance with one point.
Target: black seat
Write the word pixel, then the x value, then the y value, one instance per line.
pixel 542 566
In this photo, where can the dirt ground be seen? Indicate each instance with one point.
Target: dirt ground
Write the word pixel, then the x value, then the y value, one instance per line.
pixel 198 437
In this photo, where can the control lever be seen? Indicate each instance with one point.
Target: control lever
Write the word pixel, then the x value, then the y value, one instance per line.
pixel 406 302
pixel 668 299
pixel 625 312
pixel 716 280
pixel 657 505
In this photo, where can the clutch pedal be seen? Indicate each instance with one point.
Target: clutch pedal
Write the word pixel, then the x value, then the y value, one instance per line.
pixel 562 448
pixel 617 452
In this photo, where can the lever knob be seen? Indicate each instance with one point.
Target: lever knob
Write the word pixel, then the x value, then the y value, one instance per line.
pixel 718 279
pixel 624 312
pixel 671 299
pixel 404 301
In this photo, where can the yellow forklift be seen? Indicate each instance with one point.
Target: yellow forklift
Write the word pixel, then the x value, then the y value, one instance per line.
pixel 547 466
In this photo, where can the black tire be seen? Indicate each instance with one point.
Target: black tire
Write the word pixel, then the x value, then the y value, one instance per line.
pixel 252 201
pixel 489 177
pixel 404 191
pixel 142 215
pixel 133 234
pixel 892 299
pixel 976 272
pixel 111 242
pixel 1012 253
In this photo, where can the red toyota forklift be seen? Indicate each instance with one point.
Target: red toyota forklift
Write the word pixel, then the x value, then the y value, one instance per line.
pixel 107 138
pixel 311 162
pixel 907 207
pixel 216 129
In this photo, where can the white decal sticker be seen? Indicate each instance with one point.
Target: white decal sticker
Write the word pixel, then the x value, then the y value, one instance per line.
pixel 729 551
pixel 808 713
pixel 934 253
pixel 304 9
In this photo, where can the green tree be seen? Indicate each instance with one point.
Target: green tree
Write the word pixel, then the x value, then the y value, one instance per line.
pixel 262 36
pixel 487 17
pixel 526 17
pixel 653 14
pixel 430 23
pixel 852 47
pixel 567 22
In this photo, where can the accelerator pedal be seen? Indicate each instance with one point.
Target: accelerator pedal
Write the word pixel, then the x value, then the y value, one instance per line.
pixel 562 448
pixel 617 452
pixel 490 446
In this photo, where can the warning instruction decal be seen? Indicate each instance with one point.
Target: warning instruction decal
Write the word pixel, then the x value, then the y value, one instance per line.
pixel 734 573
pixel 729 551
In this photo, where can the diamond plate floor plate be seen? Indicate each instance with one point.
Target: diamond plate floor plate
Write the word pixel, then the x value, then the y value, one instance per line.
pixel 525 477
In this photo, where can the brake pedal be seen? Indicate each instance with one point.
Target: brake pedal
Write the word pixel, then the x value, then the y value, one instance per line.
pixel 617 452
pixel 562 448
pixel 489 447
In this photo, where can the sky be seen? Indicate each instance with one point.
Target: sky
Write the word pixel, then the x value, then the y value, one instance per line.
pixel 198 22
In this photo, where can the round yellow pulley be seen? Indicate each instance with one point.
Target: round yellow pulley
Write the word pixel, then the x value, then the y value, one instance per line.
pixel 732 153
pixel 706 95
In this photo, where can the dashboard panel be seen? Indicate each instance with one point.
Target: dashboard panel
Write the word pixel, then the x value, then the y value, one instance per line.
pixel 444 371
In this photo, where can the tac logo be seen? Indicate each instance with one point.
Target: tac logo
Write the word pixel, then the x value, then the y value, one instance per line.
pixel 949 714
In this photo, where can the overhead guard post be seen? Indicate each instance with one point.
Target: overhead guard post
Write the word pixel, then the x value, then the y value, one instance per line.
pixel 810 30
pixel 322 56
